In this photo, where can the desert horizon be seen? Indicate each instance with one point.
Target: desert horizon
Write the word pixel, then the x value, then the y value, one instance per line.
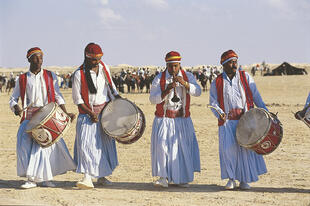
pixel 118 68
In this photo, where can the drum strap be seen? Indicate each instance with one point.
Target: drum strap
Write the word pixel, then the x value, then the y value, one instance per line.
pixel 220 93
pixel 48 78
pixel 160 112
pixel 248 92
pixel 84 87
pixel 22 87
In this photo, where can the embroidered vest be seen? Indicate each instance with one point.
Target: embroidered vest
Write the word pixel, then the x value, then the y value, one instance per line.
pixel 220 94
pixel 84 86
pixel 48 78
pixel 160 107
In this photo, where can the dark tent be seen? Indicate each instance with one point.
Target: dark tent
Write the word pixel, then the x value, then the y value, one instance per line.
pixel 287 69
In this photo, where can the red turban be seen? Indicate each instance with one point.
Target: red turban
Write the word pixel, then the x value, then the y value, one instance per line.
pixel 227 56
pixel 172 57
pixel 93 50
pixel 33 51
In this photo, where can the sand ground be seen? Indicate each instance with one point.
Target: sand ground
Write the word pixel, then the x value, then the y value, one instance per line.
pixel 286 183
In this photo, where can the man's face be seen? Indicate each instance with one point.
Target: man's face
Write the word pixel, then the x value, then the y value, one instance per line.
pixel 93 62
pixel 173 68
pixel 231 66
pixel 36 59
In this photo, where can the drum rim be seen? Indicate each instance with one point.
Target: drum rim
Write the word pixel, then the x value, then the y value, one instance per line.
pixel 265 133
pixel 131 129
pixel 56 106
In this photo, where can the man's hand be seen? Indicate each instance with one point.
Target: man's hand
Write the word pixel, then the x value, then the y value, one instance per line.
pixel 17 110
pixel 182 81
pixel 94 117
pixel 223 117
pixel 72 116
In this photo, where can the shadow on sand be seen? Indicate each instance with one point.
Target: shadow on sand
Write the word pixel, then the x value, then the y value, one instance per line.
pixel 70 185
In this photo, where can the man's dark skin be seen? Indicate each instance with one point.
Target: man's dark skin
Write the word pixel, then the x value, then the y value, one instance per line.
pixel 173 69
pixel 92 64
pixel 230 69
pixel 36 61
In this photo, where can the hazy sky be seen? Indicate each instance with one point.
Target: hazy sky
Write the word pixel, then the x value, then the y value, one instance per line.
pixel 141 32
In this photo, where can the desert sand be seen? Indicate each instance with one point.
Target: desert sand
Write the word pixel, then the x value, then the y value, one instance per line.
pixel 286 183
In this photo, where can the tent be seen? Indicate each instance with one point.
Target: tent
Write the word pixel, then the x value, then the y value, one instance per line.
pixel 287 69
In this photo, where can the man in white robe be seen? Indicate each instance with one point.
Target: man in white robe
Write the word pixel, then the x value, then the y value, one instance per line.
pixel 34 162
pixel 94 151
pixel 174 147
pixel 231 101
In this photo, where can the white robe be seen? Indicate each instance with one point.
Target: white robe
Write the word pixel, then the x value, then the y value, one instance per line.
pixel 94 151
pixel 33 161
pixel 236 162
pixel 174 147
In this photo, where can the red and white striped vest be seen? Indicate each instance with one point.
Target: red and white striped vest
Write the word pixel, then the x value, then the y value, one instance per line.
pixel 160 107
pixel 84 86
pixel 48 78
pixel 220 97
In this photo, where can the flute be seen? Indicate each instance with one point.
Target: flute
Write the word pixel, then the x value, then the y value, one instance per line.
pixel 175 97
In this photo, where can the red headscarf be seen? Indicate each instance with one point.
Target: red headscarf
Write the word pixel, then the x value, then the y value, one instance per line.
pixel 33 51
pixel 227 56
pixel 93 50
pixel 172 57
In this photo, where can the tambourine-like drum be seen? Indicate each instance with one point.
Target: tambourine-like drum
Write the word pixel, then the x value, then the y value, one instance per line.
pixel 259 130
pixel 48 124
pixel 122 120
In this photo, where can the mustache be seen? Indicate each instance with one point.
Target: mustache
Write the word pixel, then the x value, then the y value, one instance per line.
pixel 234 67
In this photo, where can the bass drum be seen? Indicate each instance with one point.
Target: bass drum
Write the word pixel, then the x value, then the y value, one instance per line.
pixel 122 120
pixel 259 130
pixel 48 124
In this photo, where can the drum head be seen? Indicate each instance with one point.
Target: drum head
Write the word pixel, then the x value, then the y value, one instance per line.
pixel 252 126
pixel 40 115
pixel 119 117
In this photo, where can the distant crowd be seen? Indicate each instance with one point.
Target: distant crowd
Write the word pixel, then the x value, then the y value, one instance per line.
pixel 129 80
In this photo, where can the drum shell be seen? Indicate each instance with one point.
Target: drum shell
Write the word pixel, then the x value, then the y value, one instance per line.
pixel 136 133
pixel 54 125
pixel 268 142
pixel 132 134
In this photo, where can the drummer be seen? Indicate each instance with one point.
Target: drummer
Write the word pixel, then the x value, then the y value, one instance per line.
pixel 228 95
pixel 94 151
pixel 300 114
pixel 174 147
pixel 34 162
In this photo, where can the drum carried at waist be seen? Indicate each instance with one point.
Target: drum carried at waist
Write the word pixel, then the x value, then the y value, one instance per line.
pixel 122 120
pixel 259 130
pixel 48 124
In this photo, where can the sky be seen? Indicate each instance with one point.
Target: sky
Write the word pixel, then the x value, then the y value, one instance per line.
pixel 141 32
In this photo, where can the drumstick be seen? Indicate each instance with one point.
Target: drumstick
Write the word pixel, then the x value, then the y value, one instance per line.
pixel 221 115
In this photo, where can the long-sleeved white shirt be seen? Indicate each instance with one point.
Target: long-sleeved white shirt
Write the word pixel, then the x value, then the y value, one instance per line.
pixel 100 83
pixel 233 94
pixel 155 93
pixel 36 92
